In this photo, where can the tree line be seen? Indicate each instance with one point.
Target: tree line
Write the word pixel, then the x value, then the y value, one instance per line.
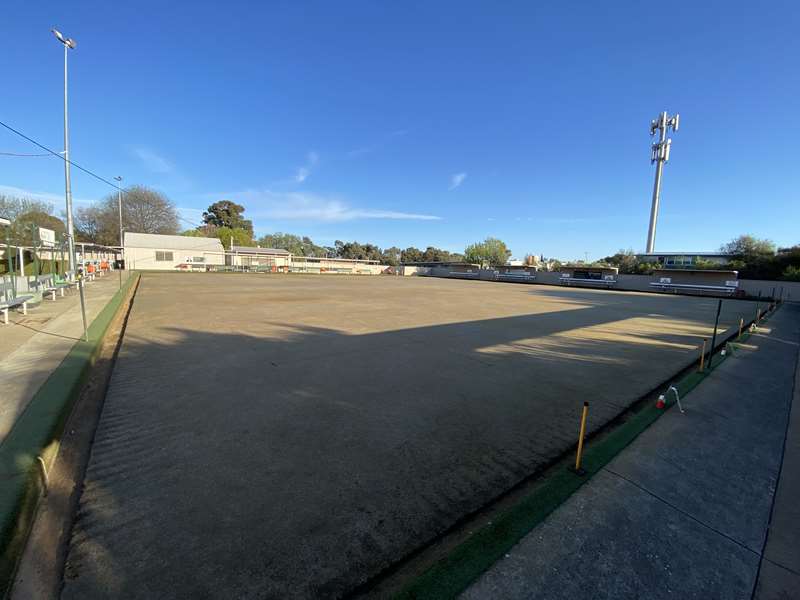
pixel 225 220
pixel 752 257
pixel 145 210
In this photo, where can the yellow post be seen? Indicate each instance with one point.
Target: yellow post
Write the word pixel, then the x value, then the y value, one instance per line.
pixel 581 436
pixel 741 324
pixel 703 355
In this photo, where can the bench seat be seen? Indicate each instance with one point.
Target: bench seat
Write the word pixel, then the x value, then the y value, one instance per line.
pixel 9 303
pixel 582 281
pixel 517 276
pixel 721 289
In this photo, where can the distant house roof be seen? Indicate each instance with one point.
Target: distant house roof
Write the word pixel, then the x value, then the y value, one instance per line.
pixel 260 251
pixel 171 242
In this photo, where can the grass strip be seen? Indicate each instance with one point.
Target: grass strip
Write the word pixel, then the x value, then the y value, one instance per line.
pixel 37 432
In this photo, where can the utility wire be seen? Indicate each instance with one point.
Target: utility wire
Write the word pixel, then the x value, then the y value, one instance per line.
pixel 64 158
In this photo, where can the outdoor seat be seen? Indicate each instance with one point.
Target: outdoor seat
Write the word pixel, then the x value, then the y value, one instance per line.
pixel 9 300
pixel 45 286
pixel 676 287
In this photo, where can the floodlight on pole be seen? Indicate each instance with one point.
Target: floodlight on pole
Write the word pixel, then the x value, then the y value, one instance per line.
pixel 68 44
pixel 659 154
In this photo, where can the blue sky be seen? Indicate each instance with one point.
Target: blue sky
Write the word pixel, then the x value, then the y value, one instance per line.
pixel 422 123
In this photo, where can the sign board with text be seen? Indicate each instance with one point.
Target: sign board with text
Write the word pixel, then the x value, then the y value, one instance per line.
pixel 47 236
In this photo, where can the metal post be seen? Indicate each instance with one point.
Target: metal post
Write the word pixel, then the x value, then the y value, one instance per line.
pixel 703 356
pixel 581 435
pixel 10 262
pixel 714 338
pixel 37 269
pixel 70 44
pixel 67 181
pixel 659 155
pixel 119 206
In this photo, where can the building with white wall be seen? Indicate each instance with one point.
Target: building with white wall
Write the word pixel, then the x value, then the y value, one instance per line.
pixel 271 259
pixel 149 251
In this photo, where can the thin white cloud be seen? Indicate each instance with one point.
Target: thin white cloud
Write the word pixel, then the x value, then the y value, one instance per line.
pixel 361 151
pixel 369 149
pixel 269 204
pixel 456 180
pixel 56 199
pixel 153 161
pixel 302 173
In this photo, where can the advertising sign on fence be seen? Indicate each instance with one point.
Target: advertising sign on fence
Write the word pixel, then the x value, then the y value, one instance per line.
pixel 47 236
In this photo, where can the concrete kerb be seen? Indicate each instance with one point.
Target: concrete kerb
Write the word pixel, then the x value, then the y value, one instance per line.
pixel 31 446
pixel 453 573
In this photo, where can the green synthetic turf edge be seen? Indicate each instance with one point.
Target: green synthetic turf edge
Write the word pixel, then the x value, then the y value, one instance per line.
pixel 453 573
pixel 34 434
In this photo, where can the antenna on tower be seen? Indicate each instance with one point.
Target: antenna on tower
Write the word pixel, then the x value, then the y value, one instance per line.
pixel 659 154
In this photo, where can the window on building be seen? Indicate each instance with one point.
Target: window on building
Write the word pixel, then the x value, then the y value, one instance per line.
pixel 163 256
pixel 198 259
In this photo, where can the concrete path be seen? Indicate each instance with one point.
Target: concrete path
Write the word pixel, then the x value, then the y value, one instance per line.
pixel 32 345
pixel 684 511
pixel 779 577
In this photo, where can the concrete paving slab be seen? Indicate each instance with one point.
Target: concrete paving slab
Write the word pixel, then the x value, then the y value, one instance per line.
pixel 292 436
pixel 683 511
pixel 32 346
pixel 779 577
pixel 614 540
pixel 777 583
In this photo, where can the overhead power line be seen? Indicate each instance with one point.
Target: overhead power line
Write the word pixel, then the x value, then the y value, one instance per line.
pixel 77 166
pixel 58 155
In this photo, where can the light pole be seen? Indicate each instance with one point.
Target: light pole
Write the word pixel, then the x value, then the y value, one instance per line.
pixel 659 155
pixel 7 226
pixel 69 44
pixel 118 179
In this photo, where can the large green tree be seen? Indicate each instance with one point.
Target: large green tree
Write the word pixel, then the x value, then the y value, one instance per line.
pixel 25 227
pixel 627 262
pixel 227 214
pixel 430 254
pixel 746 247
pixel 239 237
pixel 26 214
pixel 490 252
pixel 225 235
pixel 299 246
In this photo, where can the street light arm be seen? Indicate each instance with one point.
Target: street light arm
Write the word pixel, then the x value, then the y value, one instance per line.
pixel 69 42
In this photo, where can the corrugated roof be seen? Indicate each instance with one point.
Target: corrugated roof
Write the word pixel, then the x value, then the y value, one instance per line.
pixel 171 242
pixel 252 250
